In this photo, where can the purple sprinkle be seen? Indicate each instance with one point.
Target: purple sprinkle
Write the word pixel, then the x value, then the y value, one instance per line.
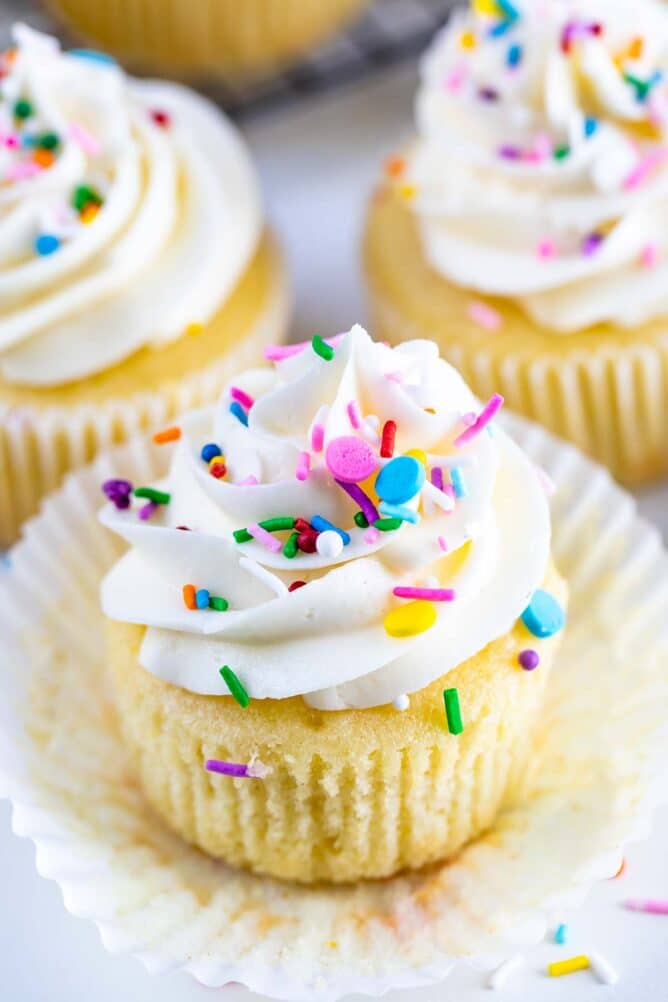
pixel 226 768
pixel 529 659
pixel 488 94
pixel 591 243
pixel 510 152
pixel 147 510
pixel 118 492
pixel 437 477
pixel 363 500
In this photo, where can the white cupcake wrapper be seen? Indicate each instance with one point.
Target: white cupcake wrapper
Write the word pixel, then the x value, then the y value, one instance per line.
pixel 601 766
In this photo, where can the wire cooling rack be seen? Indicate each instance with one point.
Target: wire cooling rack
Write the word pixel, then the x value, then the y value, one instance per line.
pixel 390 31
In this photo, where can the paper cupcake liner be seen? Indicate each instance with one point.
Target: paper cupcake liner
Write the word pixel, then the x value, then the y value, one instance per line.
pixel 38 447
pixel 600 761
pixel 216 37
pixel 611 403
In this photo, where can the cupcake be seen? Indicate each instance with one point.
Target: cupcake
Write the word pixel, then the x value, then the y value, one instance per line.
pixel 224 38
pixel 134 268
pixel 331 634
pixel 525 228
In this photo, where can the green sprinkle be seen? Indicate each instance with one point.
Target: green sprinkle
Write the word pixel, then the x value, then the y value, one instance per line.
pixel 321 348
pixel 361 520
pixel 151 494
pixel 218 603
pixel 48 141
pixel 84 195
pixel 290 548
pixel 242 535
pixel 278 523
pixel 641 87
pixel 388 524
pixel 23 109
pixel 234 685
pixel 561 152
pixel 453 711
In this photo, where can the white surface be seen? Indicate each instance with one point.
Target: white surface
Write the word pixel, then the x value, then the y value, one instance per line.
pixel 318 164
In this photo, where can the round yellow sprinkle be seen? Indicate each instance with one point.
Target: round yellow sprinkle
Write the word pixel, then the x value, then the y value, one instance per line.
pixel 216 459
pixel 411 619
pixel 407 191
pixel 418 454
pixel 467 40
pixel 194 328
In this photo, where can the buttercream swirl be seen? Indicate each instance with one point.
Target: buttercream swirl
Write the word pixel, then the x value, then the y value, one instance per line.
pixel 541 167
pixel 327 640
pixel 128 210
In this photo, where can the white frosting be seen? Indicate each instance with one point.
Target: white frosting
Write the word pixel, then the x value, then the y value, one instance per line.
pixel 326 640
pixel 498 212
pixel 180 218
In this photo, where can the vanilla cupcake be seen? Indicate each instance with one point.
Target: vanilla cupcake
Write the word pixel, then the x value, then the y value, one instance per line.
pixel 228 38
pixel 331 635
pixel 134 268
pixel 526 228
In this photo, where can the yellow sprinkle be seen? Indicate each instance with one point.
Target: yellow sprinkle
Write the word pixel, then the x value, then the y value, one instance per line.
pixel 89 213
pixel 407 191
pixel 411 619
pixel 333 945
pixel 559 967
pixel 216 459
pixel 486 8
pixel 194 328
pixel 418 454
pixel 468 40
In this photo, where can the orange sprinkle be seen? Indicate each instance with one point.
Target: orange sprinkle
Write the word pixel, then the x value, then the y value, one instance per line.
pixel 189 596
pixel 395 166
pixel 167 435
pixel 621 870
pixel 636 47
pixel 89 213
pixel 44 158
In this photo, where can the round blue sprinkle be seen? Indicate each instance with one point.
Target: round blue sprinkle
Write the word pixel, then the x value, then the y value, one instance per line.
pixel 209 451
pixel 46 243
pixel 94 56
pixel 543 616
pixel 590 126
pixel 400 480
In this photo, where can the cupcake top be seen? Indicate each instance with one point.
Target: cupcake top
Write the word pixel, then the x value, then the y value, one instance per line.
pixel 346 526
pixel 541 168
pixel 128 211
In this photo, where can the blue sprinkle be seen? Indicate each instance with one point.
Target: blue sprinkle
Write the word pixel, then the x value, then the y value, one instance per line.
pixel 514 56
pixel 511 12
pixel 561 934
pixel 399 511
pixel 94 56
pixel 29 141
pixel 239 412
pixel 46 244
pixel 321 524
pixel 590 126
pixel 500 29
pixel 209 451
pixel 543 616
pixel 202 599
pixel 458 482
pixel 400 480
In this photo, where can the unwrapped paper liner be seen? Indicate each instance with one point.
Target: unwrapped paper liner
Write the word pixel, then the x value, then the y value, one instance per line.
pixel 596 779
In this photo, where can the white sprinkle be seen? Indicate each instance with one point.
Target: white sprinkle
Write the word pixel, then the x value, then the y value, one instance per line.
pixel 257 769
pixel 401 702
pixel 498 978
pixel 329 544
pixel 262 574
pixel 440 498
pixel 603 970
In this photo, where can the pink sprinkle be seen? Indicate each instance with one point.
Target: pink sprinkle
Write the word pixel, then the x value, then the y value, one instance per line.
pixel 484 315
pixel 649 256
pixel 443 544
pixel 10 140
pixel 303 466
pixel 85 139
pixel 265 538
pixel 542 147
pixel 545 481
pixel 354 414
pixel 278 352
pixel 489 411
pixel 650 905
pixel 450 491
pixel 146 511
pixel 546 249
pixel 317 437
pixel 241 397
pixel 249 481
pixel 428 594
pixel 371 535
pixel 22 170
pixel 395 377
pixel 646 166
pixel 454 81
pixel 437 477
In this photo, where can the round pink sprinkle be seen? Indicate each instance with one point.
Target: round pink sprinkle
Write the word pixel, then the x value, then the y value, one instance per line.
pixel 371 535
pixel 350 459
pixel 546 249
pixel 649 256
